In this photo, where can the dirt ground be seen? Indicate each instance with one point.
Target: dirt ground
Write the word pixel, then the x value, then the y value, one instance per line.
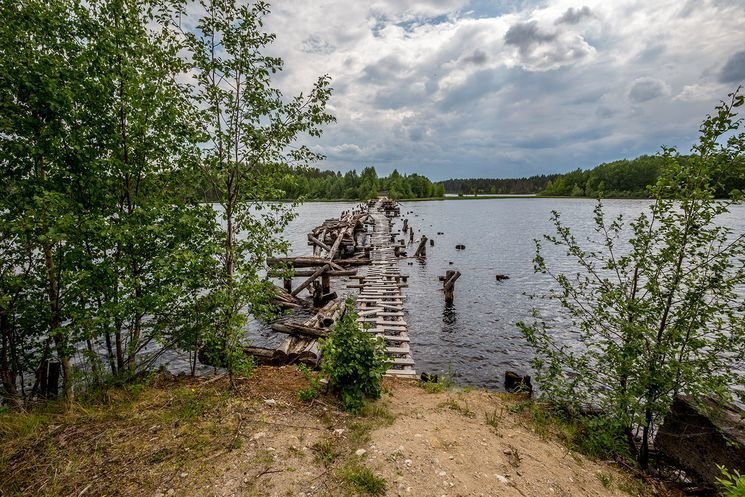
pixel 187 437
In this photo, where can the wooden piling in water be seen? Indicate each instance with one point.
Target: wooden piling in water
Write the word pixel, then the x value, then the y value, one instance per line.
pixel 421 250
pixel 448 285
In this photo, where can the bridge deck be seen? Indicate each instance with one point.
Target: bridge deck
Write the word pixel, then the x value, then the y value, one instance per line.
pixel 380 302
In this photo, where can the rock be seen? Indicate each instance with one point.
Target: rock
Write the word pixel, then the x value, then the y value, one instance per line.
pixel 502 277
pixel 258 435
pixel 339 432
pixel 360 452
pixel 270 402
pixel 460 246
pixel 514 383
pixel 407 462
pixel 502 478
pixel 184 475
pixel 698 441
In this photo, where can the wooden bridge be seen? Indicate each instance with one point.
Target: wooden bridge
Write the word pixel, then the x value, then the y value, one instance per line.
pixel 380 303
pixel 342 247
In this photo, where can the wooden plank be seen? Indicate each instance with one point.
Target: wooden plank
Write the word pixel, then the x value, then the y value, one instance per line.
pixel 318 272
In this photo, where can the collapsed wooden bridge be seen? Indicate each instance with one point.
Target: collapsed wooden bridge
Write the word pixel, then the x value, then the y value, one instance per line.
pixel 380 302
pixel 359 238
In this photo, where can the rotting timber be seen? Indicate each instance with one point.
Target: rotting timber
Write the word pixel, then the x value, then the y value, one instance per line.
pixel 361 239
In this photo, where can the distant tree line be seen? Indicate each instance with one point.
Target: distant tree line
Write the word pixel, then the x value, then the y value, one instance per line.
pixel 312 183
pixel 631 178
pixel 493 186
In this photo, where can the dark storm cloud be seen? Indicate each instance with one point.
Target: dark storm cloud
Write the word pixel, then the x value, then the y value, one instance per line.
pixel 542 50
pixel 478 57
pixel 525 35
pixel 404 94
pixel 383 71
pixel 645 89
pixel 651 53
pixel 557 139
pixel 574 16
pixel 474 88
pixel 734 70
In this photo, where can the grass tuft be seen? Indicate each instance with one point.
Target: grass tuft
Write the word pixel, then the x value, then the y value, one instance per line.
pixel 363 479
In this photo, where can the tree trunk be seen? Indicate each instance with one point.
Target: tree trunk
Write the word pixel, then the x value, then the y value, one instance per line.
pixel 55 324
pixel 110 353
pixel 8 374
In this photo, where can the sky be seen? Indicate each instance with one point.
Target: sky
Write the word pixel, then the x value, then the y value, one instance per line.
pixel 508 88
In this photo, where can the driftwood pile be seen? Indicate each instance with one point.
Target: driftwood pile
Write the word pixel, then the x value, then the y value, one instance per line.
pixel 391 208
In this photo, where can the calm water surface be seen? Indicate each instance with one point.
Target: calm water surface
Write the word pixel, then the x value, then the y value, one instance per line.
pixel 477 338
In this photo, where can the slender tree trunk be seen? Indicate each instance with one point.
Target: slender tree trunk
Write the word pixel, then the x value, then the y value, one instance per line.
pixel 55 324
pixel 110 352
pixel 95 364
pixel 134 344
pixel 8 374
pixel 119 348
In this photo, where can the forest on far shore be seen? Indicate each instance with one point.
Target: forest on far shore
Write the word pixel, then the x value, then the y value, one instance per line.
pixel 625 178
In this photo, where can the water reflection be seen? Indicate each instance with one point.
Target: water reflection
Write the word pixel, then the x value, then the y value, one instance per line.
pixel 449 316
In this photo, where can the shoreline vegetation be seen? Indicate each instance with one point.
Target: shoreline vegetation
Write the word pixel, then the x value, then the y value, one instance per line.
pixel 621 179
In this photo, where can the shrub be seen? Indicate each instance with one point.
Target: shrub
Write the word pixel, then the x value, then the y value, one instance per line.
pixel 655 304
pixel 732 484
pixel 354 361
pixel 314 381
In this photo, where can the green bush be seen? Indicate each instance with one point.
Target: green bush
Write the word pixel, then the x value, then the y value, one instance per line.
pixel 314 381
pixel 732 484
pixel 353 361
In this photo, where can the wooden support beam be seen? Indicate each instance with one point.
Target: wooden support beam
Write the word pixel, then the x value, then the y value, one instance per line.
pixel 299 329
pixel 318 272
pixel 331 273
pixel 318 242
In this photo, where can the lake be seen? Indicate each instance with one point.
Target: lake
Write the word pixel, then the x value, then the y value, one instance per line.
pixel 477 339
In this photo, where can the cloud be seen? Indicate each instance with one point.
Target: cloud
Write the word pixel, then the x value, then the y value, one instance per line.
pixel 314 44
pixel 541 50
pixel 477 57
pixel 508 88
pixel 525 35
pixel 698 92
pixel 645 89
pixel 734 69
pixel 574 16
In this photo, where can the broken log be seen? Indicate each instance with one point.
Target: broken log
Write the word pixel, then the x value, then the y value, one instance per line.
pixel 318 272
pixel 299 329
pixel 318 242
